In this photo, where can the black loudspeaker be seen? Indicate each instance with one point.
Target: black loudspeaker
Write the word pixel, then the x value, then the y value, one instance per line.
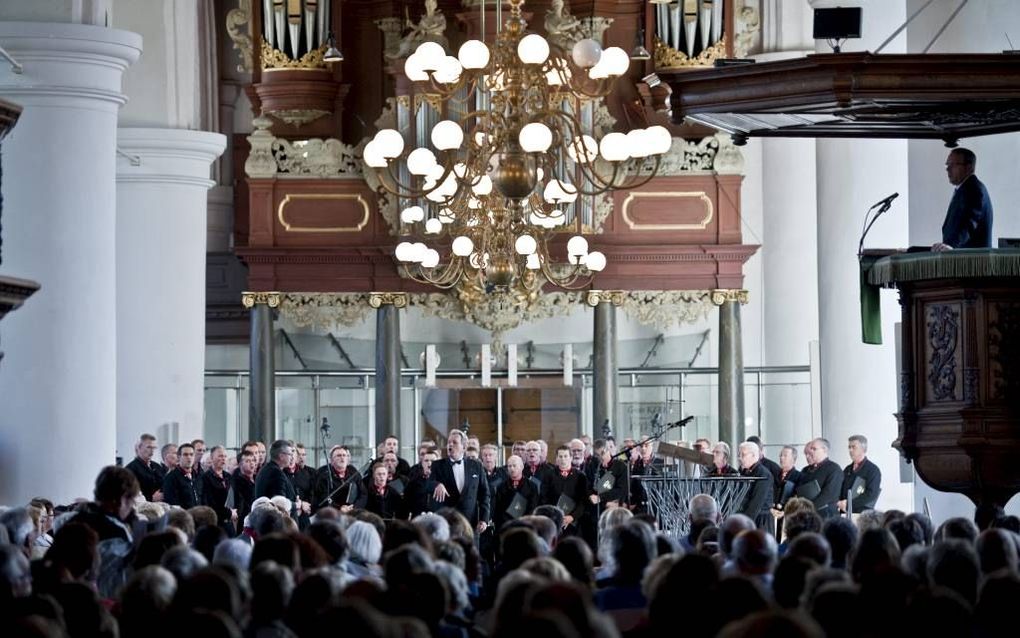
pixel 838 23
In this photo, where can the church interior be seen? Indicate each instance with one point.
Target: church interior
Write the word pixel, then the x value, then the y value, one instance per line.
pixel 335 222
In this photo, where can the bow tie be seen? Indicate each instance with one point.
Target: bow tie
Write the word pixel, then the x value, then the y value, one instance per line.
pixel 456 462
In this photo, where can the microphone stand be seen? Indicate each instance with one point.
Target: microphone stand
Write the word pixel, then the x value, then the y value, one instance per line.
pixel 324 433
pixel 886 205
pixel 625 451
pixel 347 481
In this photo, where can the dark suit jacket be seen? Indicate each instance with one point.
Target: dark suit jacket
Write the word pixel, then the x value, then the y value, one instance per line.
pixel 181 490
pixel 474 502
pixel 504 496
pixel 150 478
pixel 323 484
pixel 575 486
pixel 418 493
pixel 214 494
pixel 792 478
pixel 758 501
pixel 620 491
pixel 272 481
pixel 388 505
pixel 968 221
pixel 830 480
pixel 872 477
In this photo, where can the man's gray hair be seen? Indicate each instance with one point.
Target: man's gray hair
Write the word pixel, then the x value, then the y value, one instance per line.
pixel 153 584
pixel 234 552
pixel 458 434
pixel 749 445
pixel 18 523
pixel 702 507
pixel 364 543
pixel 793 451
pixel 456 583
pixel 278 448
pixel 435 526
pixel 183 562
pixel 824 442
pixel 859 438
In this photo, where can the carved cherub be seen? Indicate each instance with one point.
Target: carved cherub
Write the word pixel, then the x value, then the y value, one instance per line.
pixel 431 27
pixel 561 27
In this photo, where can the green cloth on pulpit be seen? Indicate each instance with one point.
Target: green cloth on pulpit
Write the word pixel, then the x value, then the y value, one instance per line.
pixel 871 307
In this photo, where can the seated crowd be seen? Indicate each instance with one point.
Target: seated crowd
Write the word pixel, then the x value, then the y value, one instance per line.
pixel 454 545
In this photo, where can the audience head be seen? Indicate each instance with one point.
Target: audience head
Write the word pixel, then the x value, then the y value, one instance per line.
pixel 841 534
pixel 115 491
pixel 364 542
pixel 812 546
pixel 703 507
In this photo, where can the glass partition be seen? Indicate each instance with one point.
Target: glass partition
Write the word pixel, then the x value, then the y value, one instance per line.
pixel 777 407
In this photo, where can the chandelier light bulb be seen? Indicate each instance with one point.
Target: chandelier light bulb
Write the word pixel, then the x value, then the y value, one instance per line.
pixel 583 149
pixel 431 55
pixel 616 61
pixel 419 251
pixel 449 70
pixel 390 143
pixel 613 147
pixel 433 226
pixel 404 251
pixel 430 259
pixel 462 246
pixel 661 139
pixel 577 246
pixel 372 156
pixel 473 54
pixel 639 143
pixel 483 186
pixel 413 69
pixel 525 245
pixel 420 161
pixel 412 214
pixel 534 263
pixel 533 49
pixel 598 72
pixel 586 53
pixel 596 261
pixel 447 135
pixel 535 138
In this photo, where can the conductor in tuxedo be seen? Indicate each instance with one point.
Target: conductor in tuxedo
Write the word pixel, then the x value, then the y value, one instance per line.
pixel 968 222
pixel 461 483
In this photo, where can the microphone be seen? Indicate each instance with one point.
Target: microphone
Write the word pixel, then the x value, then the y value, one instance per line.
pixel 681 423
pixel 324 428
pixel 886 201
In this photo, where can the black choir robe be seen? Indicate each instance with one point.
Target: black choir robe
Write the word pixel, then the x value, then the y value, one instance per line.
pixel 389 504
pixel 214 495
pixel 505 494
pixel 323 483
pixel 871 477
pixel 574 485
pixel 758 502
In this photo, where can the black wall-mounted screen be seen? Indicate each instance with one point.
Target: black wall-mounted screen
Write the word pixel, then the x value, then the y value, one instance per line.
pixel 837 23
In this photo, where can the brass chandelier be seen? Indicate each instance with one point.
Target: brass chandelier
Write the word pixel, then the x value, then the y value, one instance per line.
pixel 495 186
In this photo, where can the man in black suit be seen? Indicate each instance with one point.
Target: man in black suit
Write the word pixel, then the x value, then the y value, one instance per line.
pixel 566 488
pixel 508 490
pixel 769 464
pixel 461 483
pixel 821 480
pixel 148 472
pixel 863 473
pixel 757 504
pixel 272 481
pixel 341 477
pixel 788 474
pixel 968 222
pixel 182 486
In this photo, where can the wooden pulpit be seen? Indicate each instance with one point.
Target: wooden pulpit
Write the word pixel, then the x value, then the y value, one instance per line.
pixel 959 415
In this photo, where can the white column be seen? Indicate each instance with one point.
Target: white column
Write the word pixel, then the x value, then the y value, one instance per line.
pixel 162 184
pixel 859 382
pixel 58 410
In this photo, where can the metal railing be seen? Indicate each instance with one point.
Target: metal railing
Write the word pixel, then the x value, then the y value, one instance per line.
pixel 777 402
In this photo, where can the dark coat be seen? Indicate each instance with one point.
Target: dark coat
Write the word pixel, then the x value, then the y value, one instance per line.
pixel 244 496
pixel 620 490
pixel 505 494
pixel 574 485
pixel 150 478
pixel 214 495
pixel 872 477
pixel 968 222
pixel 829 477
pixel 418 493
pixel 388 505
pixel 272 481
pixel 792 478
pixel 475 501
pixel 758 501
pixel 181 490
pixel 323 483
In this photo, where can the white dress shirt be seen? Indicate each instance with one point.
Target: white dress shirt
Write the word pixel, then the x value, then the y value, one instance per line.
pixel 458 473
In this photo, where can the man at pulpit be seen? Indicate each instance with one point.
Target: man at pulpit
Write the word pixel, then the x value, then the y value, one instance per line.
pixel 968 222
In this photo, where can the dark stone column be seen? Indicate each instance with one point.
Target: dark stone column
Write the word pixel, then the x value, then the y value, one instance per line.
pixel 387 362
pixel 262 391
pixel 605 388
pixel 731 367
